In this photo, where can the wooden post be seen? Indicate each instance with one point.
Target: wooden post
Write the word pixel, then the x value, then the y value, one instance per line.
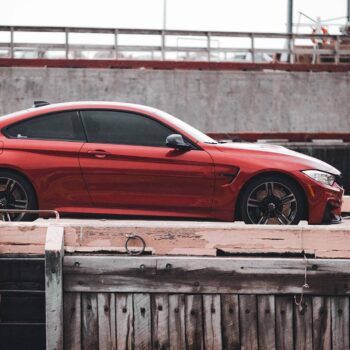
pixel 54 251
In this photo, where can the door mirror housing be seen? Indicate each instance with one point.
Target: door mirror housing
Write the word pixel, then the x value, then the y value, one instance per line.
pixel 176 141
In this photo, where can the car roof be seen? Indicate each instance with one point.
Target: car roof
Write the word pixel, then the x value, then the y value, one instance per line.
pixel 56 107
pixel 93 104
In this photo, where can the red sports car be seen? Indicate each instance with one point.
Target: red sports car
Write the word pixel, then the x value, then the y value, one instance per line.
pixel 117 158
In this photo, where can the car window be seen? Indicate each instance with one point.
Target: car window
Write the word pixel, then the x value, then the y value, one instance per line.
pixel 53 126
pixel 119 127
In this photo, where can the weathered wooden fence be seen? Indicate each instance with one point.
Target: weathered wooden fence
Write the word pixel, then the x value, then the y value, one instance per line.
pixel 103 300
pixel 204 321
pixel 204 303
pixel 167 302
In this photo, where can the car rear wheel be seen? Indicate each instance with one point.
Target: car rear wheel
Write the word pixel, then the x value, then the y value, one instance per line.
pixel 16 194
pixel 272 200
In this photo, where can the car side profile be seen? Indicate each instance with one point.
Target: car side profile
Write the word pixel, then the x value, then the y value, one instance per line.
pixel 126 159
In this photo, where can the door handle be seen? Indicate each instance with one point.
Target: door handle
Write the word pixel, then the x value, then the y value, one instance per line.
pixel 98 153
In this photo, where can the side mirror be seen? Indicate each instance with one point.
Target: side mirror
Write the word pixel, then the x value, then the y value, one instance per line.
pixel 176 141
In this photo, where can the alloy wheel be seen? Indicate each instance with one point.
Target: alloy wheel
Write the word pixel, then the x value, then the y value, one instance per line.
pixel 12 196
pixel 272 203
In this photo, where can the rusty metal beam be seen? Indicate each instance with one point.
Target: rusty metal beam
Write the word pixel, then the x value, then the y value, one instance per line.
pixel 168 65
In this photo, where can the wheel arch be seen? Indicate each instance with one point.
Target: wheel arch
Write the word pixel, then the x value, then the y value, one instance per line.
pixel 25 177
pixel 237 212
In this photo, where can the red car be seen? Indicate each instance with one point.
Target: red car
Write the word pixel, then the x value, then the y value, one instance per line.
pixel 116 158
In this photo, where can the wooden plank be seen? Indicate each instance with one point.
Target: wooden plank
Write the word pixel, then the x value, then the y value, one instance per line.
pixel 167 237
pixel 106 321
pixel 284 322
pixel 246 284
pixel 303 325
pixel 89 332
pixel 160 321
pixel 22 249
pixel 22 238
pixel 230 322
pixel 194 322
pixel 72 321
pixel 346 205
pixel 340 323
pixel 97 265
pixel 177 321
pixel 142 321
pixel 203 275
pixel 248 322
pixel 172 265
pixel 322 326
pixel 266 322
pixel 125 321
pixel 54 252
pixel 212 321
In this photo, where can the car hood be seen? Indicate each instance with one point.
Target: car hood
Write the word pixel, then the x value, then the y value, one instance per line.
pixel 270 151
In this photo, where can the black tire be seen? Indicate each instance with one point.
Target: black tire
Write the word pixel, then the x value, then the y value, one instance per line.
pixel 16 193
pixel 272 199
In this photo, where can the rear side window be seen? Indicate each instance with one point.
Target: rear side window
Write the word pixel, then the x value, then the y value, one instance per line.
pixel 53 126
pixel 125 128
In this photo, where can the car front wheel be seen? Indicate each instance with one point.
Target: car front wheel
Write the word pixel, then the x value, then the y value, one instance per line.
pixel 272 199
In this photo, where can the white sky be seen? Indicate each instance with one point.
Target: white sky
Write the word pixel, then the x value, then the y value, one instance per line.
pixel 208 15
pixel 226 15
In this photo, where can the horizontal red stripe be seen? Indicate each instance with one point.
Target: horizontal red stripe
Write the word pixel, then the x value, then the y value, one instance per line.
pixel 168 65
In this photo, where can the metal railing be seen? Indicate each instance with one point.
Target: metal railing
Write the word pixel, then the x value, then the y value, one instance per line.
pixel 214 45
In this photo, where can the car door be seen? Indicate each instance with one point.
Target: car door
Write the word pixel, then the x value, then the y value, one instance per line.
pixel 128 167
pixel 46 149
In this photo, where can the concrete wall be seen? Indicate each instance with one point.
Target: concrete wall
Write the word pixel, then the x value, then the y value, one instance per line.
pixel 210 100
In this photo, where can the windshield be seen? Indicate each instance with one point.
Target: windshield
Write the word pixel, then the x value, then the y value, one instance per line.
pixel 198 135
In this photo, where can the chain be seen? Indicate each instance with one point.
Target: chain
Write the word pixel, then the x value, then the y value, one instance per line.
pixel 299 302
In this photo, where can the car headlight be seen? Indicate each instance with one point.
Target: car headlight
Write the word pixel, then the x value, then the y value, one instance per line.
pixel 320 176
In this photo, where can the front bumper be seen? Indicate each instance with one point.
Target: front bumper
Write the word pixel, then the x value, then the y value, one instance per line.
pixel 324 203
pixel 332 215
